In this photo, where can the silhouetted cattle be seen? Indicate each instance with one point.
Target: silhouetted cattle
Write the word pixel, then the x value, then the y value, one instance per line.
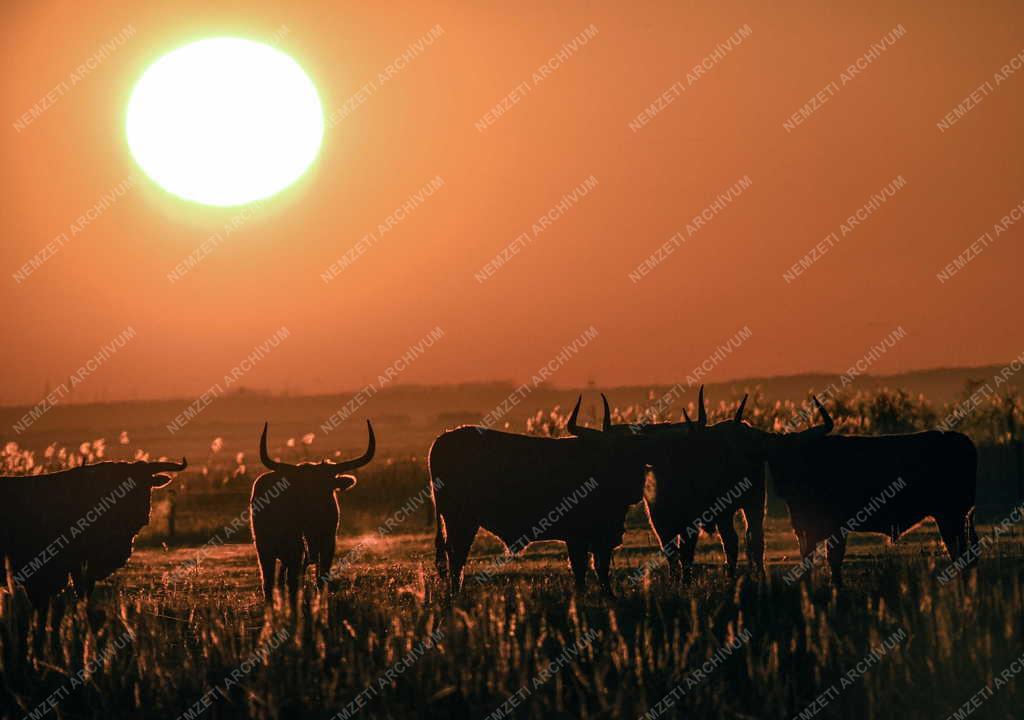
pixel 838 484
pixel 299 524
pixel 81 522
pixel 702 486
pixel 523 489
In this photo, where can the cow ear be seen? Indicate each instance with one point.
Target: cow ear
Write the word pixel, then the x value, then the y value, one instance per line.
pixel 159 480
pixel 343 482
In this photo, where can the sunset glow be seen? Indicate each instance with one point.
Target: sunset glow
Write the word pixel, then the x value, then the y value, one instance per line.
pixel 512 360
pixel 224 121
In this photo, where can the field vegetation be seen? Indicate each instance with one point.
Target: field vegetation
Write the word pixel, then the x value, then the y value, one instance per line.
pixel 182 630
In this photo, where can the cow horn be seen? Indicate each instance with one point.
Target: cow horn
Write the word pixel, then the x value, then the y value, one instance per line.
pixel 265 458
pixel 606 425
pixel 366 457
pixel 825 417
pixel 702 414
pixel 164 466
pixel 571 425
pixel 816 431
pixel 689 422
pixel 739 411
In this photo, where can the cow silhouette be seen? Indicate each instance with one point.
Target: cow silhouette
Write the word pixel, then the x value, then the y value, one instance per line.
pixel 298 524
pixel 837 484
pixel 524 488
pixel 80 523
pixel 702 487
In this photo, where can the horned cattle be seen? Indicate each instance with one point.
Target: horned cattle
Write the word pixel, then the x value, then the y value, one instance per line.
pixel 298 526
pixel 835 485
pixel 80 522
pixel 523 489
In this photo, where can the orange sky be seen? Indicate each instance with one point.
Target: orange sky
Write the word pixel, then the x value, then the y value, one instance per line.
pixel 573 123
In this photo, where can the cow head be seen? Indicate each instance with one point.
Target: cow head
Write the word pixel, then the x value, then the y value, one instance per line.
pixel 784 452
pixel 692 463
pixel 622 454
pixel 128 491
pixel 156 472
pixel 324 477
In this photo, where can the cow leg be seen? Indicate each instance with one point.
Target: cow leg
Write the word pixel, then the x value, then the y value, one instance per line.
pixel 84 585
pixel 440 555
pixel 324 560
pixel 972 534
pixel 675 562
pixel 460 539
pixel 579 561
pixel 755 540
pixel 267 563
pixel 687 549
pixel 950 536
pixel 603 566
pixel 835 551
pixel 808 548
pixel 957 532
pixel 730 542
pixel 292 567
pixel 282 577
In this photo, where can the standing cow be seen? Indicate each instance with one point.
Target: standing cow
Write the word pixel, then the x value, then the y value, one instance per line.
pixel 298 526
pixel 703 484
pixel 80 522
pixel 523 489
pixel 887 484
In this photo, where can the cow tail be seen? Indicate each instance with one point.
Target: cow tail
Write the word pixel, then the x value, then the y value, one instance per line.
pixel 972 534
pixel 972 472
pixel 440 554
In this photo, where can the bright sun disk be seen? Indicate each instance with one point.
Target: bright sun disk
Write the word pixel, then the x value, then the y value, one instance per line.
pixel 224 121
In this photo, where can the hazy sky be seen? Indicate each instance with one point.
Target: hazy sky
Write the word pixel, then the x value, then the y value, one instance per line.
pixel 776 140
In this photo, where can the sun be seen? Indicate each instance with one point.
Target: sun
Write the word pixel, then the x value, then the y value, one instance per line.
pixel 224 121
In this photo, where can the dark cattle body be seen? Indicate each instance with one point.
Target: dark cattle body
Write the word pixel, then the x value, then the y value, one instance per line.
pixel 886 484
pixel 835 485
pixel 80 522
pixel 702 486
pixel 294 515
pixel 523 489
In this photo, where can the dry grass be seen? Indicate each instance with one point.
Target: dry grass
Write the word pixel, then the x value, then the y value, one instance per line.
pixel 190 635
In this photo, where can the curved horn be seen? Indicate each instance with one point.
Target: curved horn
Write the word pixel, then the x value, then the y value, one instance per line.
pixel 822 430
pixel 371 448
pixel 689 422
pixel 739 411
pixel 571 425
pixel 165 466
pixel 825 417
pixel 702 414
pixel 606 425
pixel 265 458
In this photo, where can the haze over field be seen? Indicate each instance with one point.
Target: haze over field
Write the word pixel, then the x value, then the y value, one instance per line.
pixel 409 417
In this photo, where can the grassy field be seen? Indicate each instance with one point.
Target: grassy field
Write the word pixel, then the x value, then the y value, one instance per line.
pixel 182 632
pixel 169 637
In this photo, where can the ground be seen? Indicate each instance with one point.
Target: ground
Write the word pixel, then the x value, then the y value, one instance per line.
pixel 384 643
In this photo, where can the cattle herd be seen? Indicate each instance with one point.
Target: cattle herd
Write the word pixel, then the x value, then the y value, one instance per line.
pixel 76 527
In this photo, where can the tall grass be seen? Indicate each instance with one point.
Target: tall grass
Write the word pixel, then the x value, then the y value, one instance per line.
pixel 500 637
